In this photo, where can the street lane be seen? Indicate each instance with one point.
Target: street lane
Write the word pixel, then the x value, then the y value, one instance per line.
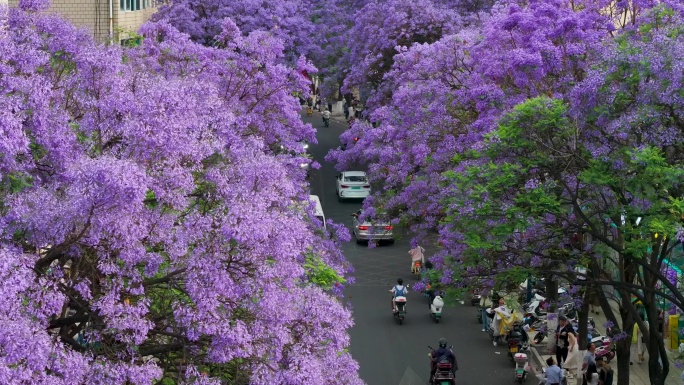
pixel 388 353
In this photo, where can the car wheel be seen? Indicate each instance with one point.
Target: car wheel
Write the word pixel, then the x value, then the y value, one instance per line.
pixel 339 198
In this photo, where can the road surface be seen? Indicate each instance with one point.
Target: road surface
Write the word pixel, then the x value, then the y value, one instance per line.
pixel 388 353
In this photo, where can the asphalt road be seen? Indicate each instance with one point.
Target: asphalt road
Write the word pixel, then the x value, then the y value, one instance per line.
pixel 389 353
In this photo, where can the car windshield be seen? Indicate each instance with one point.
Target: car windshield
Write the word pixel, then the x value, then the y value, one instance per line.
pixel 355 178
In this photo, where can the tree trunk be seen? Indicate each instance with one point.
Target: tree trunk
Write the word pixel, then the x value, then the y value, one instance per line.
pixel 583 320
pixel 582 332
pixel 551 293
pixel 653 340
pixel 623 345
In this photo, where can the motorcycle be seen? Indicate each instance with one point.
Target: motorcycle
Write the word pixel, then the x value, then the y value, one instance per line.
pixel 400 309
pixel 436 308
pixel 515 346
pixel 417 268
pixel 444 374
pixel 535 306
pixel 607 351
pixel 326 122
pixel 530 319
pixel 542 332
pixel 521 364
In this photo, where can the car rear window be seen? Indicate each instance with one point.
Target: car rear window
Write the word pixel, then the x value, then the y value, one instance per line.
pixel 355 178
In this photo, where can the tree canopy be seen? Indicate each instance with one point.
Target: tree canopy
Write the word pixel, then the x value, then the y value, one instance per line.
pixel 145 229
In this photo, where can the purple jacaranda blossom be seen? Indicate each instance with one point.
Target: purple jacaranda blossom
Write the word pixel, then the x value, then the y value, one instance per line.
pixel 149 196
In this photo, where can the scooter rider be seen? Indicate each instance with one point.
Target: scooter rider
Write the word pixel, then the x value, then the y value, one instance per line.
pixel 399 290
pixel 440 354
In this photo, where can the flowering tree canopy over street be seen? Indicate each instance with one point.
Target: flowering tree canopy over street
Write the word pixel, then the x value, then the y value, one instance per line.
pixel 148 194
pixel 543 138
pixel 147 209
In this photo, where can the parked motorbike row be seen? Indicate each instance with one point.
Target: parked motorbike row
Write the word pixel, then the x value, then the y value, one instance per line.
pixel 534 320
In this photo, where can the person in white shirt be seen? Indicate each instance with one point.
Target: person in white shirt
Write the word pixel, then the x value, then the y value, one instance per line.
pixel 399 290
pixel 500 313
pixel 326 114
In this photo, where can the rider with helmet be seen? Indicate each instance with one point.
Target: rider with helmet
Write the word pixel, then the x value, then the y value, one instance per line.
pixel 399 290
pixel 443 353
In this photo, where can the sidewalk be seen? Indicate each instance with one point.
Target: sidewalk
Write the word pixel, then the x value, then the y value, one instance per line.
pixel 638 373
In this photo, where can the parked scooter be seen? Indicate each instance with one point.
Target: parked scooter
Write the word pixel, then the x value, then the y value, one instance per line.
pixel 516 339
pixel 530 319
pixel 436 308
pixel 522 367
pixel 606 351
pixel 535 306
pixel 539 337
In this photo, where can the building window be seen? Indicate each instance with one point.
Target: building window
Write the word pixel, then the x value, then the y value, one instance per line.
pixel 133 5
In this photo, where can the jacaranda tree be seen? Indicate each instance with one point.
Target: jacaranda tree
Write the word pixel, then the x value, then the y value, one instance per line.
pixel 147 213
pixel 448 94
pixel 291 21
pixel 380 28
pixel 509 211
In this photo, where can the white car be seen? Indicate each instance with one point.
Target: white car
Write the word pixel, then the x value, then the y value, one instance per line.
pixel 352 184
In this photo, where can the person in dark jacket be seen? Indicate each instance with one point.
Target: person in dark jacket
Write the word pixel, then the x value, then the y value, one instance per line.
pixel 440 354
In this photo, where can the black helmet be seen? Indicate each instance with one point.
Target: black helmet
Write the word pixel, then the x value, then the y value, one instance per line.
pixel 400 281
pixel 442 342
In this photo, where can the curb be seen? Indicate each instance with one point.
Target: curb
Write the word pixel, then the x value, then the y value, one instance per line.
pixel 539 363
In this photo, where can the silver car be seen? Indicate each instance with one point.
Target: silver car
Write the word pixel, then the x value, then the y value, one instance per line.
pixel 368 231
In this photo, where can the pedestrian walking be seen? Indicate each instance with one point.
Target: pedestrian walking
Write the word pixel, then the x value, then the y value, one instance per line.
pixel 562 344
pixel 572 362
pixel 638 347
pixel 485 303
